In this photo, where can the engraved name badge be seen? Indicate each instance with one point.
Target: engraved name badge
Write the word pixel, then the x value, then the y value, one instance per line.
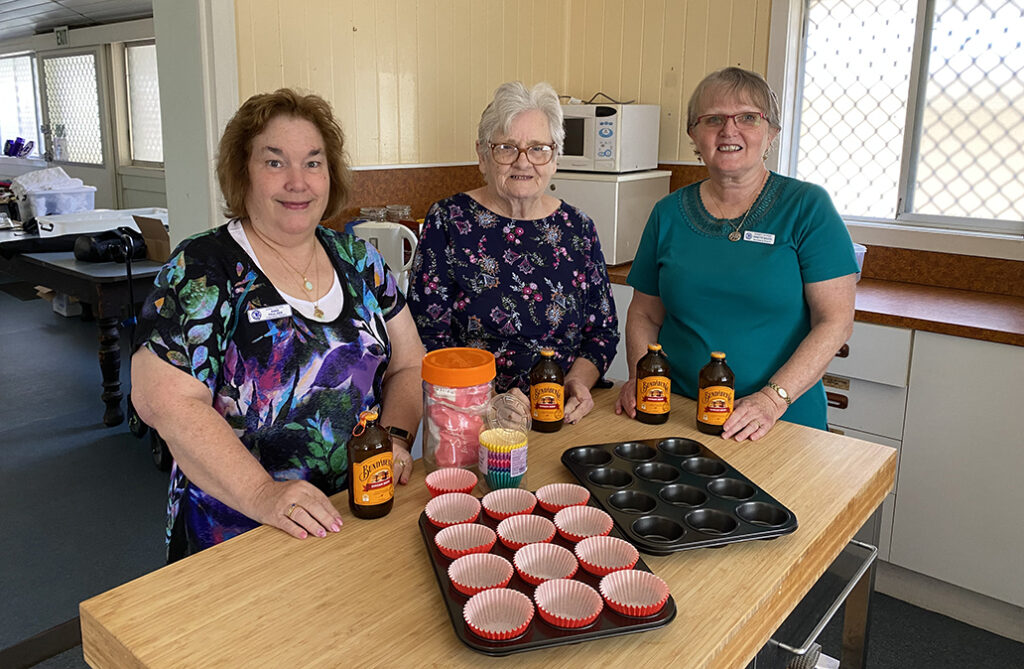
pixel 269 313
pixel 759 237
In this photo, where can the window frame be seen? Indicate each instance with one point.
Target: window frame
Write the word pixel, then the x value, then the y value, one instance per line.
pixel 39 149
pixel 119 63
pixel 100 64
pixel 785 74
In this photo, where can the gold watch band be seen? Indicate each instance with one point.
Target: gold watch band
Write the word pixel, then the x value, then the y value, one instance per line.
pixel 781 392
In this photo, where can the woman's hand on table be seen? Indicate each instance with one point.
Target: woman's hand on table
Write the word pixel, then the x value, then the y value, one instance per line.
pixel 627 399
pixel 578 400
pixel 752 417
pixel 296 507
pixel 402 463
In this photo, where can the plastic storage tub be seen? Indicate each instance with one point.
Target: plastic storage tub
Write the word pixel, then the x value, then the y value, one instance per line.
pixel 66 201
pixel 97 220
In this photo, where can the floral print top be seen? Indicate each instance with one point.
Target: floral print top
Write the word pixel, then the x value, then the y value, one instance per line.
pixel 513 287
pixel 291 388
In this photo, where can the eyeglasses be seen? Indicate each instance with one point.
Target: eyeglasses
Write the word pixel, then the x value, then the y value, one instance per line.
pixel 538 154
pixel 742 120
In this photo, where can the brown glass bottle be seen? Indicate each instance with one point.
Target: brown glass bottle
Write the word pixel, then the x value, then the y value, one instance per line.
pixel 547 393
pixel 653 386
pixel 716 390
pixel 371 482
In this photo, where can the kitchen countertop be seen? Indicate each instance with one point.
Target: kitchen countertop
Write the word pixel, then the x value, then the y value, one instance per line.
pixel 960 313
pixel 369 593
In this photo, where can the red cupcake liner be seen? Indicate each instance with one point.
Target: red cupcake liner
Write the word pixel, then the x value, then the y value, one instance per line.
pixel 602 555
pixel 505 502
pixel 634 593
pixel 556 496
pixel 576 523
pixel 477 572
pixel 453 508
pixel 518 531
pixel 568 603
pixel 498 614
pixel 537 563
pixel 450 479
pixel 455 541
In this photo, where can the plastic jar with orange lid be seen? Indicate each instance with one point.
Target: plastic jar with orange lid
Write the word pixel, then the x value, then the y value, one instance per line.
pixel 457 387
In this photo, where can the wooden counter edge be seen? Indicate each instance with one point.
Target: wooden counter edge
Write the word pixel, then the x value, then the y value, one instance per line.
pixel 766 619
pixel 99 647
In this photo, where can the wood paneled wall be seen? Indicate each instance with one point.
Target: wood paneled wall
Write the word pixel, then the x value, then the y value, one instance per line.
pixel 409 78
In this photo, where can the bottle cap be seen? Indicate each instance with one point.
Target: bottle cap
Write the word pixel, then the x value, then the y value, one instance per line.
pixel 654 347
pixel 718 355
pixel 364 418
pixel 547 352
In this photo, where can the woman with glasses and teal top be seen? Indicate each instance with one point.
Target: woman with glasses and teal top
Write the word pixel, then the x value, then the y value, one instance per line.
pixel 748 262
pixel 510 269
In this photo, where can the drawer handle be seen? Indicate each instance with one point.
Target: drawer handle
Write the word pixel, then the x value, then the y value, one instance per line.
pixel 837 401
pixel 844 351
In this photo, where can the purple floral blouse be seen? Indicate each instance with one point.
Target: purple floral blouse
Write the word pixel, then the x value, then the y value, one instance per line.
pixel 513 287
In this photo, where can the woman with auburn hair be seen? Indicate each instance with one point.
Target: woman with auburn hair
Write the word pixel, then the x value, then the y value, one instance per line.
pixel 264 338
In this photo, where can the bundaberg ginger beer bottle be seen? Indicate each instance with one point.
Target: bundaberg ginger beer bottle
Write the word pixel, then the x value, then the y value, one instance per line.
pixel 371 479
pixel 653 387
pixel 547 393
pixel 715 394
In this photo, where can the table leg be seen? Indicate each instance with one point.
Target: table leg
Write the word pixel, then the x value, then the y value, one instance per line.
pixel 855 622
pixel 110 367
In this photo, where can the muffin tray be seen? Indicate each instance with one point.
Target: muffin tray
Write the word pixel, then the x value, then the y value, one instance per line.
pixel 539 634
pixel 674 494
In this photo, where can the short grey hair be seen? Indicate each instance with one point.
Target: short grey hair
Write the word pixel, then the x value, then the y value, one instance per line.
pixel 737 81
pixel 514 98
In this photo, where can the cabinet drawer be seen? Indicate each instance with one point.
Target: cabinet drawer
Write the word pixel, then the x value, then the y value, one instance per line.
pixel 869 407
pixel 875 353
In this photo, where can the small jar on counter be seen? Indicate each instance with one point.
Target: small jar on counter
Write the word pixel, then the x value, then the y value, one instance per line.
pixel 457 387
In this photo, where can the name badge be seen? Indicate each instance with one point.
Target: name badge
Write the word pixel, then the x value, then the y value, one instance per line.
pixel 759 237
pixel 269 313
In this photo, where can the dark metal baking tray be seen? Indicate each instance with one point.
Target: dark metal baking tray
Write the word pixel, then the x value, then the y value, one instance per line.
pixel 673 494
pixel 540 634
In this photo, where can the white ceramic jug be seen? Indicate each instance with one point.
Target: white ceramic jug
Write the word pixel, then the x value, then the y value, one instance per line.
pixel 390 239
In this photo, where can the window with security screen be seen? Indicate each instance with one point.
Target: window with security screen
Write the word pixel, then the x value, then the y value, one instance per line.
pixel 73 107
pixel 913 110
pixel 144 135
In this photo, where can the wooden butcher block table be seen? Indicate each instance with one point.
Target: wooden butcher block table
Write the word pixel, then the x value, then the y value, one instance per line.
pixel 368 596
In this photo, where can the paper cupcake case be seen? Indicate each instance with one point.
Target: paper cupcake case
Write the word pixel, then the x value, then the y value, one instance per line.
pixel 673 494
pixel 543 630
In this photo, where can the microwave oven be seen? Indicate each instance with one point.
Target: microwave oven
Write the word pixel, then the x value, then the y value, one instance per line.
pixel 610 138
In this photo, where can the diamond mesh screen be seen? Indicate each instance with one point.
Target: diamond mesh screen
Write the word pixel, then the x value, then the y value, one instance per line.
pixel 144 104
pixel 18 102
pixel 856 80
pixel 858 61
pixel 72 102
pixel 972 138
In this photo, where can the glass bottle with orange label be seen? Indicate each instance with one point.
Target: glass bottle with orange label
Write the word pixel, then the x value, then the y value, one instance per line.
pixel 547 393
pixel 371 481
pixel 653 386
pixel 715 395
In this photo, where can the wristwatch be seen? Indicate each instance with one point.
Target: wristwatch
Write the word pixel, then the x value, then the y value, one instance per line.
pixel 781 392
pixel 404 435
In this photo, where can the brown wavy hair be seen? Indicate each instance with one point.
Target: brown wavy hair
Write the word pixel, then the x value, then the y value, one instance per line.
pixel 235 147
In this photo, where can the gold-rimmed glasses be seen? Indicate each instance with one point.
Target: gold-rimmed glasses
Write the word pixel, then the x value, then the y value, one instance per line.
pixel 742 120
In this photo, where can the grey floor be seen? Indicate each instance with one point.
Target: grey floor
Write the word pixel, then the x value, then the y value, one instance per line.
pixel 82 506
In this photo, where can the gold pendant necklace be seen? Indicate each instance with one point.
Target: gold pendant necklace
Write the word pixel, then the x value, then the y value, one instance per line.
pixel 317 312
pixel 736 235
pixel 306 283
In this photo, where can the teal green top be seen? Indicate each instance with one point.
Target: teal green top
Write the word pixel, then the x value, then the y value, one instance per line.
pixel 744 298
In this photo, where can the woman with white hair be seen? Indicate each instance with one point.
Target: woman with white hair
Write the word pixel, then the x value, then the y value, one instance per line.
pixel 510 269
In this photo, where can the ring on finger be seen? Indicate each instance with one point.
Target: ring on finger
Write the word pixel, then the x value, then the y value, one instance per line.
pixel 291 508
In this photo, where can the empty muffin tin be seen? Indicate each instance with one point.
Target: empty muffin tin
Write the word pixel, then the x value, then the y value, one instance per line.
pixel 540 634
pixel 673 494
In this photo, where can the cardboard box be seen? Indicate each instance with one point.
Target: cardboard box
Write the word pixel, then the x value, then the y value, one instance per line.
pixel 158 242
pixel 62 304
